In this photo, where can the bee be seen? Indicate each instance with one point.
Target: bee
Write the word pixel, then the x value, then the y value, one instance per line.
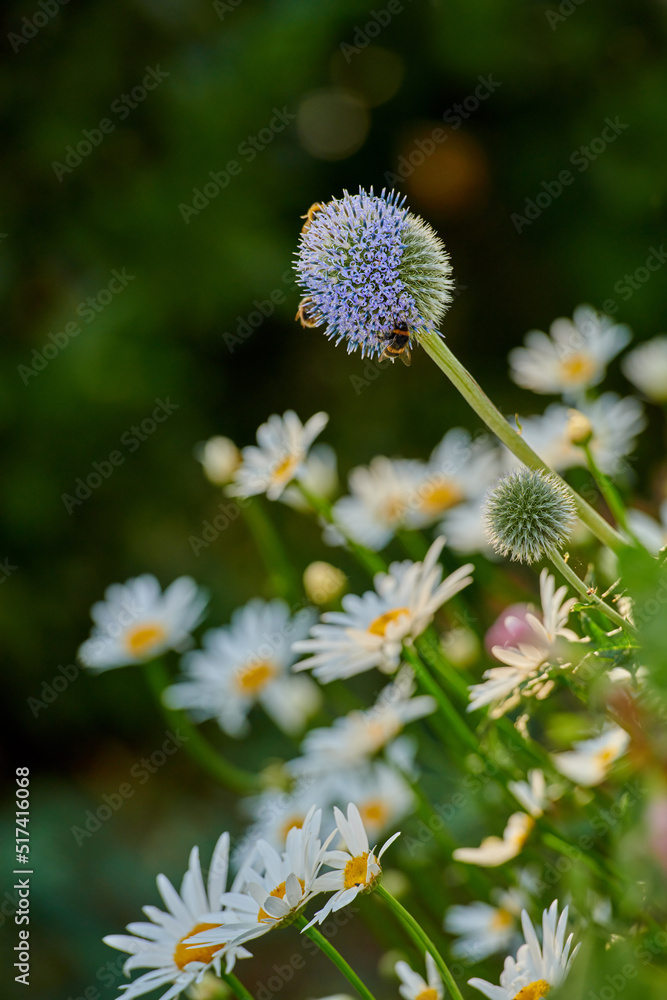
pixel 398 344
pixel 310 215
pixel 303 313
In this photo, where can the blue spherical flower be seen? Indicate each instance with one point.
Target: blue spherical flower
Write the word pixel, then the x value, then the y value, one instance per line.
pixel 367 266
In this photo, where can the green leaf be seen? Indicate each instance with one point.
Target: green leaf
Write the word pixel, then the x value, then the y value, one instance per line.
pixel 646 581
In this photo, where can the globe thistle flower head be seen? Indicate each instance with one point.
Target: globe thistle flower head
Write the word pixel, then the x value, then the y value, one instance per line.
pixel 367 266
pixel 528 514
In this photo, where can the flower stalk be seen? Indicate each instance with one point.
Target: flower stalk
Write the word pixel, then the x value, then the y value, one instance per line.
pixel 236 986
pixel 269 545
pixel 421 939
pixel 474 395
pixel 577 584
pixel 334 956
pixel 232 777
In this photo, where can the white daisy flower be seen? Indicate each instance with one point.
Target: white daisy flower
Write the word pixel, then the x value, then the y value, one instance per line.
pixel 380 501
pixel 523 662
pixel 159 946
pixel 495 851
pixel 534 795
pixel 414 987
pixel 318 474
pixel 220 459
pixel 651 533
pixel 572 358
pixel 371 630
pixel 615 424
pixel 279 457
pixel 591 761
pixel 355 738
pixel 646 368
pixel 356 868
pixel 536 969
pixel 136 621
pixel 484 929
pixel 271 889
pixel 460 469
pixel 247 663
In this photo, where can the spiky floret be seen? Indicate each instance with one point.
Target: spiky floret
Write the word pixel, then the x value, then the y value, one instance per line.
pixel 367 264
pixel 527 514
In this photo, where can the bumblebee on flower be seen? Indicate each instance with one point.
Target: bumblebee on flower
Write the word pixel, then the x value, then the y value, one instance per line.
pixel 392 273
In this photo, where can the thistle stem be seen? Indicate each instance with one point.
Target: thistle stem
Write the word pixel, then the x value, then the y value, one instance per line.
pixel 566 571
pixel 334 956
pixel 236 986
pixel 461 378
pixel 421 939
pixel 208 758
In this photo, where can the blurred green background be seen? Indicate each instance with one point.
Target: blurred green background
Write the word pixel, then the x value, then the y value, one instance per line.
pixel 357 100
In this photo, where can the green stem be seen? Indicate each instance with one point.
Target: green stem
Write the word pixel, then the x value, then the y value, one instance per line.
pixel 281 573
pixel 334 956
pixel 420 937
pixel 232 777
pixel 449 712
pixel 414 544
pixel 368 559
pixel 438 351
pixel 566 571
pixel 610 494
pixel 236 986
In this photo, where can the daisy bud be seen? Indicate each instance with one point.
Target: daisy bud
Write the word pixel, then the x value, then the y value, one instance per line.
pixel 528 514
pixel 396 883
pixel 323 582
pixel 367 266
pixel 210 988
pixel 579 429
pixel 220 458
pixel 461 646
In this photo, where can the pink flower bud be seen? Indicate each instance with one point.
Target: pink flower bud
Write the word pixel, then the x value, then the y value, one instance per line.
pixel 510 628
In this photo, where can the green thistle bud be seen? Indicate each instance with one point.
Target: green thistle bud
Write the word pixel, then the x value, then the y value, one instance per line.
pixel 528 514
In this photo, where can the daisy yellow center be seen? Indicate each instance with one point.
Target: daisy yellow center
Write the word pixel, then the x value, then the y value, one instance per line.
pixel 284 468
pixel 534 991
pixel 379 626
pixel 442 497
pixel 142 639
pixel 374 813
pixel 378 733
pixel 251 679
pixel 605 757
pixel 522 836
pixel 292 823
pixel 501 920
pixel 355 871
pixel 428 994
pixel 279 893
pixel 204 954
pixel 393 510
pixel 578 367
